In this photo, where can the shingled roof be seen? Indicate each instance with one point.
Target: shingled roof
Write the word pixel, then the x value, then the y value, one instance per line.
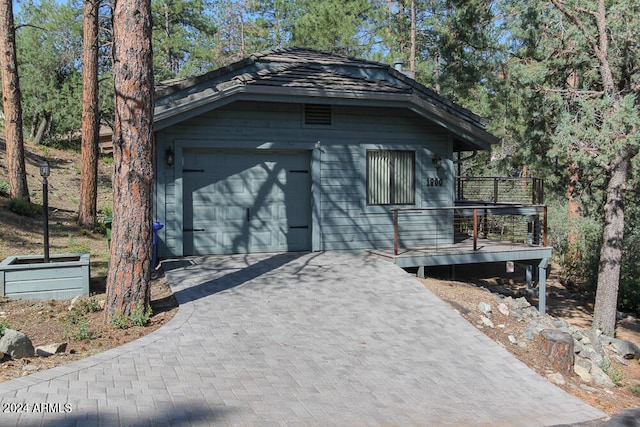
pixel 310 74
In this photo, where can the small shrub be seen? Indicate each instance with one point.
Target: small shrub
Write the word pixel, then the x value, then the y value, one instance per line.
pixel 81 333
pixel 107 158
pixel 73 317
pixel 634 389
pixel 87 305
pixel 120 321
pixel 24 207
pixel 140 317
pixel 4 188
pixel 106 211
pixel 613 372
pixel 98 227
pixel 45 150
pixel 4 325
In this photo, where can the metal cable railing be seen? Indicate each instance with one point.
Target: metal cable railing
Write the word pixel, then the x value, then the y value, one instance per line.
pixel 446 226
pixel 500 190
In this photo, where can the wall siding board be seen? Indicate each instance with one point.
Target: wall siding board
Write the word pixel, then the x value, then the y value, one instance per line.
pixel 341 218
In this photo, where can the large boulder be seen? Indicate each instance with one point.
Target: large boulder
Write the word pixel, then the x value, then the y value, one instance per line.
pixel 626 349
pixel 16 344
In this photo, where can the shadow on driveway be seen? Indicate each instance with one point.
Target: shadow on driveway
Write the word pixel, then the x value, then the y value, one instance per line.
pixel 220 276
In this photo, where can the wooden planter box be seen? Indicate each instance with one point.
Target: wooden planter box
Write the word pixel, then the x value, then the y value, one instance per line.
pixel 28 277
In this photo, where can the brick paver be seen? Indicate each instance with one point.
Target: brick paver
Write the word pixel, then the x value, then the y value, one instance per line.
pixel 297 339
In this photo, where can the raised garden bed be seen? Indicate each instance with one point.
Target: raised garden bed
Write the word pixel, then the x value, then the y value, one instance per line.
pixel 29 277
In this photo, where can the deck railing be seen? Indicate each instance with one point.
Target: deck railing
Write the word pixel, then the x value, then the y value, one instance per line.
pixel 447 226
pixel 500 190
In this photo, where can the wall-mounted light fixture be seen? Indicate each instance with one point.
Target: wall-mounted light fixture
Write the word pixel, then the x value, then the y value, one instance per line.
pixel 169 156
pixel 437 161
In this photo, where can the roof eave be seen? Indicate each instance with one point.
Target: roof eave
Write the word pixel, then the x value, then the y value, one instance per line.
pixel 169 114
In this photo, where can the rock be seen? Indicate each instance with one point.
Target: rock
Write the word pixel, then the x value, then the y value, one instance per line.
pixel 560 324
pixel 51 349
pixel 522 302
pixel 583 373
pixel 621 360
pixel 600 378
pixel 556 378
pixel 27 367
pixel 529 333
pixel 626 349
pixel 502 308
pixel 516 315
pixel 74 302
pixel 587 388
pixel 485 321
pixel 16 344
pixel 588 352
pixel 484 308
pixel 512 339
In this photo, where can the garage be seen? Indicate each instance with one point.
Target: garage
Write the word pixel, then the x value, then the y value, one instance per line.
pixel 245 201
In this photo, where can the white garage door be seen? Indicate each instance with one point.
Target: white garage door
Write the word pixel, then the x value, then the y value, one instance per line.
pixel 242 202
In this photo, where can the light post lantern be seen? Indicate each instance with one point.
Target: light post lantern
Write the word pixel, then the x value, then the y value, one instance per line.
pixel 44 173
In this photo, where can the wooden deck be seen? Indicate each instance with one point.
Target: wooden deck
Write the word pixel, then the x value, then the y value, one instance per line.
pixel 463 253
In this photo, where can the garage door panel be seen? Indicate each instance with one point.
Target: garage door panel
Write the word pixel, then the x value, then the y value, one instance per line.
pixel 246 202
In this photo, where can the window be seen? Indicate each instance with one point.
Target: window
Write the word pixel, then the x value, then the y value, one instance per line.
pixel 391 177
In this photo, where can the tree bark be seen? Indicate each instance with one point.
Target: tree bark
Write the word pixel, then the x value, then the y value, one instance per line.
pixel 43 125
pixel 412 56
pixel 604 313
pixel 558 347
pixel 12 104
pixel 90 117
pixel 130 256
pixel 573 209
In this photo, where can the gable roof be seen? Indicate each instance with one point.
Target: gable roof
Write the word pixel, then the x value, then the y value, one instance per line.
pixel 310 76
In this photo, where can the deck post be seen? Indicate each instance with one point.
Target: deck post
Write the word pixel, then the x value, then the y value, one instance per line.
pixel 475 229
pixel 542 285
pixel 544 226
pixel 395 232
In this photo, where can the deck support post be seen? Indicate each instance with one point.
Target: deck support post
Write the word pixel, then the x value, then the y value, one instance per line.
pixel 529 276
pixel 544 226
pixel 475 229
pixel 542 285
pixel 395 232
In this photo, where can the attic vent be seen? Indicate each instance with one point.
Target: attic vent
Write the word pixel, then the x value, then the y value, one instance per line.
pixel 317 114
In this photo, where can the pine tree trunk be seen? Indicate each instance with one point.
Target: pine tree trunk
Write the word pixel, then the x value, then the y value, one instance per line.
pixel 130 257
pixel 604 314
pixel 412 56
pixel 12 104
pixel 90 116
pixel 43 125
pixel 573 209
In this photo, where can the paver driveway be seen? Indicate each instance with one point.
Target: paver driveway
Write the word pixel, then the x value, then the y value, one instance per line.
pixel 298 339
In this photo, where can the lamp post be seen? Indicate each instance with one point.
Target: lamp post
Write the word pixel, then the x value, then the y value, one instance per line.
pixel 44 173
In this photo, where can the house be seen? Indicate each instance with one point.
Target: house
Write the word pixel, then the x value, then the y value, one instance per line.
pixel 301 150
